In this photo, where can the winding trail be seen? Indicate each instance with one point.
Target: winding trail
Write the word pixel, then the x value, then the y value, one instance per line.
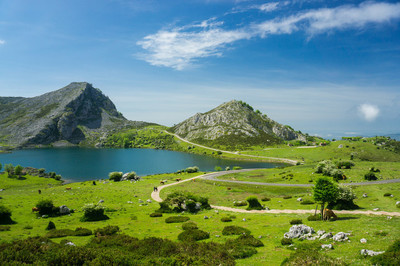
pixel 275 159
pixel 155 195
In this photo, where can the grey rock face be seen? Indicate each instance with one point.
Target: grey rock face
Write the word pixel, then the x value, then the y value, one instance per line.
pixel 299 230
pixel 340 237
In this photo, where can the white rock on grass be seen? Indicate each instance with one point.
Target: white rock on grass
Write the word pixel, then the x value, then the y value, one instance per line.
pixel 376 209
pixel 320 232
pixel 326 235
pixel 328 246
pixel 340 237
pixel 299 230
pixel 70 244
pixel 367 252
pixel 363 240
pixel 299 199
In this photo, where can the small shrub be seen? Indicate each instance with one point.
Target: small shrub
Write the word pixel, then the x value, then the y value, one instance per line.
pixel 235 230
pixel 131 175
pixel 313 218
pixel 240 203
pixel 164 208
pixel 106 231
pixel 254 204
pixel 189 225
pixel 226 219
pixel 370 176
pixel 177 219
pixel 193 235
pixel 218 168
pixel 387 194
pixel 237 168
pixel 286 241
pixel 345 164
pixel 5 228
pixel 248 240
pixel 5 215
pixel 296 221
pixel 193 169
pixel 287 197
pixel 265 199
pixel 307 202
pixel 116 176
pixel 51 226
pixel 156 214
pixel 93 212
pixel 381 233
pixel 45 207
pixel 82 232
pixel 311 257
pixel 56 233
pixel 239 251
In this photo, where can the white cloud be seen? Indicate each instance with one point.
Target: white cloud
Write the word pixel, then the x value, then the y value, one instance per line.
pixel 2 42
pixel 268 7
pixel 368 112
pixel 180 47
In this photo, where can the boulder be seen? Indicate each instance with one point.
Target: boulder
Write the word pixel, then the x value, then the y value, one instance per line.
pixel 325 236
pixel 363 240
pixel 340 146
pixel 205 217
pixel 299 230
pixel 64 209
pixel 376 209
pixel 328 246
pixel 367 252
pixel 101 201
pixel 340 237
pixel 149 201
pixel 365 195
pixel 299 199
pixel 398 203
pixel 320 232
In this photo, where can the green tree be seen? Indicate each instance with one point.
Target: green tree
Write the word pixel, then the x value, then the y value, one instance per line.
pixel 324 191
pixel 18 170
pixel 9 168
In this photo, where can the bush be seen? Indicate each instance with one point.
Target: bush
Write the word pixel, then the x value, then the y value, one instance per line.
pixel 254 204
pixel 156 214
pixel 177 219
pixel 248 240
pixel 193 235
pixel 345 164
pixel 92 212
pixel 18 170
pixel 106 231
pixel 287 197
pixel 45 207
pixel 344 200
pixel 184 201
pixel 314 218
pixel 51 226
pixel 390 257
pixel 311 257
pixel 387 194
pixel 239 251
pixel 218 168
pixel 82 232
pixel 237 168
pixel 5 215
pixel 226 219
pixel 56 233
pixel 116 176
pixel 189 225
pixel 235 230
pixel 131 175
pixel 240 203
pixel 5 228
pixel 286 241
pixel 164 208
pixel 296 221
pixel 307 202
pixel 193 169
pixel 265 199
pixel 370 176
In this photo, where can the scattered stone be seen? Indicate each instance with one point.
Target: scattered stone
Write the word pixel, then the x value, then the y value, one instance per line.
pixel 299 230
pixel 367 252
pixel 299 199
pixel 340 237
pixel 398 203
pixel 340 146
pixel 363 240
pixel 325 236
pixel 259 237
pixel 130 202
pixel 244 220
pixel 2 189
pixel 70 244
pixel 217 236
pixel 216 211
pixel 101 201
pixel 141 201
pixel 376 209
pixel 64 209
pixel 206 217
pixel 320 232
pixel 149 201
pixel 266 208
pixel 327 246
pixel 365 195
pixel 389 218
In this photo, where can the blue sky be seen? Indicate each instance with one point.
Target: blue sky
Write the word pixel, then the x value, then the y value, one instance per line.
pixel 324 67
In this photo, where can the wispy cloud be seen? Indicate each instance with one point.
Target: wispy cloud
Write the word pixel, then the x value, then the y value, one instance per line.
pixel 2 42
pixel 268 7
pixel 178 48
pixel 368 112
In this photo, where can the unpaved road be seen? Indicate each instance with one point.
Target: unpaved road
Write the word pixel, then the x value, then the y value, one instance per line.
pixel 155 195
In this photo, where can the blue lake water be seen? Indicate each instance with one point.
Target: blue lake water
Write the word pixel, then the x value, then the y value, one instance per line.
pixel 80 164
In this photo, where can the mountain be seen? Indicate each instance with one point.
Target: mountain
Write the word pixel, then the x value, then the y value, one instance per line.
pixel 234 123
pixel 77 113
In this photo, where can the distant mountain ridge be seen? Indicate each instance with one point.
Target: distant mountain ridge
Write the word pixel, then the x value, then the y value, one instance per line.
pixel 234 123
pixel 76 113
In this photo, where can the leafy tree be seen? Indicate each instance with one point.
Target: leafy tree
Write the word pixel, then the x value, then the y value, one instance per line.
pixel 9 168
pixel 116 176
pixel 18 170
pixel 324 191
pixel 5 215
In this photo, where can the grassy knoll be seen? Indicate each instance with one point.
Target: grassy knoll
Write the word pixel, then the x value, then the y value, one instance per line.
pixel 121 200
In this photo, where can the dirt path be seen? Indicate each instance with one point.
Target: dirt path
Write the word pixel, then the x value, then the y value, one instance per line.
pixel 284 160
pixel 155 195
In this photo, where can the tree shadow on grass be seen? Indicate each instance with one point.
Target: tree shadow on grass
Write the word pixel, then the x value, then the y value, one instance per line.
pixel 347 218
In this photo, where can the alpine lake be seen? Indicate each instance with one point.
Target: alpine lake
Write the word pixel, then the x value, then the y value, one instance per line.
pixel 82 164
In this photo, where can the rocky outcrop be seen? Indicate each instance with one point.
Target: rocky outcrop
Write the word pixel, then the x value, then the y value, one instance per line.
pixel 234 120
pixel 76 113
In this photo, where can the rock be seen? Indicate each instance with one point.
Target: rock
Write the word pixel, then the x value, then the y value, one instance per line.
pixel 363 240
pixel 340 237
pixel 2 189
pixel 244 220
pixel 266 208
pixel 259 237
pixel 216 211
pixel 340 146
pixel 298 230
pixel 64 209
pixel 106 182
pixel 376 209
pixel 198 206
pixel 398 203
pixel 367 252
pixel 149 201
pixel 101 201
pixel 141 201
pixel 130 202
pixel 299 199
pixel 70 244
pixel 389 218
pixel 217 236
pixel 320 232
pixel 325 236
pixel 45 216
pixel 327 246
pixel 365 195
pixel 205 217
